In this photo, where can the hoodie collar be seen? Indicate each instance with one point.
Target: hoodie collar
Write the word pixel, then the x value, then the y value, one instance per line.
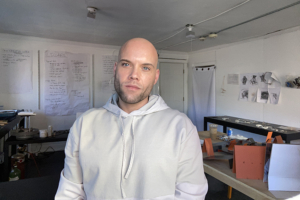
pixel 155 104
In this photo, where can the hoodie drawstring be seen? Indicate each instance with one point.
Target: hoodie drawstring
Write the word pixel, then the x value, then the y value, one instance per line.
pixel 131 156
pixel 124 147
pixel 132 151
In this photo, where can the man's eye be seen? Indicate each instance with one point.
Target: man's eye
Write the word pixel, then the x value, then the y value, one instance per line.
pixel 146 68
pixel 125 64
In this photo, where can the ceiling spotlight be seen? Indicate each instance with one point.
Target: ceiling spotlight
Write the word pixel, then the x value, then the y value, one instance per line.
pixel 190 34
pixel 202 38
pixel 91 12
pixel 213 35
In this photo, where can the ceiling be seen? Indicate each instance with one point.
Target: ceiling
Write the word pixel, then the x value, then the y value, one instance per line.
pixel 119 20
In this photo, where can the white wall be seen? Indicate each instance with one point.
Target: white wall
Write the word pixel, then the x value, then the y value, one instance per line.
pixel 30 101
pixel 278 53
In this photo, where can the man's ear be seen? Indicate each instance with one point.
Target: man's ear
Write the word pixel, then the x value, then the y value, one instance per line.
pixel 156 75
pixel 115 68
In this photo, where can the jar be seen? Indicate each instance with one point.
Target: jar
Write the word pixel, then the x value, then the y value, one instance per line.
pixel 43 133
pixel 213 130
pixel 50 130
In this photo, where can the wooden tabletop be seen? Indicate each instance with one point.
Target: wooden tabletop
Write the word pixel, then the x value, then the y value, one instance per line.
pixel 255 189
pixel 206 134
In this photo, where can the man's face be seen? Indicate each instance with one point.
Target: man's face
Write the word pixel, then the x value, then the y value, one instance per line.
pixel 135 73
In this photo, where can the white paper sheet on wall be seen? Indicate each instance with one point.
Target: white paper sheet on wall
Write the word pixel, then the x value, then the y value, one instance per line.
pixel 107 83
pixel 15 71
pixel 274 94
pixel 66 83
pixel 233 79
pixel 248 86
pixel 108 65
pixel 252 94
pixel 107 86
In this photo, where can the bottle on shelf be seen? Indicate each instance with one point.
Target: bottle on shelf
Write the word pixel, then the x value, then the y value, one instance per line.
pixel 15 173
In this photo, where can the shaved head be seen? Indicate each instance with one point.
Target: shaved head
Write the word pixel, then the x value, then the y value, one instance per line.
pixel 141 46
pixel 136 72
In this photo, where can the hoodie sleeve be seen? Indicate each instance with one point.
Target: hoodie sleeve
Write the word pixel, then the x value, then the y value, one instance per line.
pixel 70 184
pixel 191 182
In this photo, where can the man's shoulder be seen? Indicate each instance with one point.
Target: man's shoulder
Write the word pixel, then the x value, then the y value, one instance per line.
pixel 173 114
pixel 92 112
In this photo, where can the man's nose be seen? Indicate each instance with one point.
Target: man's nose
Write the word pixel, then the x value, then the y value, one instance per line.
pixel 135 74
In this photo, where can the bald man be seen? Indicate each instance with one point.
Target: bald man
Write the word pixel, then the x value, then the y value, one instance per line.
pixel 135 147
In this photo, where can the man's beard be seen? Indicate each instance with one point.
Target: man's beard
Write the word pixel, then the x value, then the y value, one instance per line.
pixel 125 98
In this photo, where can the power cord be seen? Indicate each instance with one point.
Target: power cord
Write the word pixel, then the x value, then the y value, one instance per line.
pixel 218 15
pixel 34 163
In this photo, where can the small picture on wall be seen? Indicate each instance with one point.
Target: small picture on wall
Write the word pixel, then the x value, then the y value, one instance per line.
pixel 252 94
pixel 262 95
pixel 254 79
pixel 244 80
pixel 244 95
pixel 274 94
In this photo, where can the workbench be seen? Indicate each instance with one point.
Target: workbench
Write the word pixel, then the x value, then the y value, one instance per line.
pixel 220 170
pixel 13 123
pixel 12 141
pixel 231 122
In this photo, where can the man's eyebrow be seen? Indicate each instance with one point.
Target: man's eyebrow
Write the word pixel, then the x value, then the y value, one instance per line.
pixel 149 64
pixel 125 60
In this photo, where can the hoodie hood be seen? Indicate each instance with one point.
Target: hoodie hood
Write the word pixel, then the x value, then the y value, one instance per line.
pixel 155 104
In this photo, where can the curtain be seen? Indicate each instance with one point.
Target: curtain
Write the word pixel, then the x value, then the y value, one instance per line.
pixel 203 96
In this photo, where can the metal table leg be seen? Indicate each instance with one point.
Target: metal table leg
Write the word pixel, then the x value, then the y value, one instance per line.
pixel 6 163
pixel 205 124
pixel 224 129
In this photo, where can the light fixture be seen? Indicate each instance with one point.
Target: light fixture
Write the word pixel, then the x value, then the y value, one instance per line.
pixel 190 34
pixel 91 12
pixel 202 38
pixel 213 35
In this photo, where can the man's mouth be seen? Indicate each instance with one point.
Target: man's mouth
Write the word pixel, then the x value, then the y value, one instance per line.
pixel 132 87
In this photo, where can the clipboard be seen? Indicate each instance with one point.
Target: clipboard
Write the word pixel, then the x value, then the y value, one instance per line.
pixel 249 161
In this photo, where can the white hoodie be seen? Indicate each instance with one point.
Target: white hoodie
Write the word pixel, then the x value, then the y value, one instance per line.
pixel 151 153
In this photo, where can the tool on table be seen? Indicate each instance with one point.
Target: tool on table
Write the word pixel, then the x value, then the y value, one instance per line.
pixel 27 131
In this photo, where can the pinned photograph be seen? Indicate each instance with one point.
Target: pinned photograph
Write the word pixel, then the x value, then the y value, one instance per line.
pixel 262 95
pixel 262 77
pixel 254 79
pixel 245 80
pixel 262 82
pixel 274 95
pixel 252 94
pixel 243 95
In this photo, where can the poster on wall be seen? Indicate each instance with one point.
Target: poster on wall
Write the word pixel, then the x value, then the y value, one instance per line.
pixel 259 87
pixel 233 79
pixel 107 83
pixel 15 71
pixel 66 83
